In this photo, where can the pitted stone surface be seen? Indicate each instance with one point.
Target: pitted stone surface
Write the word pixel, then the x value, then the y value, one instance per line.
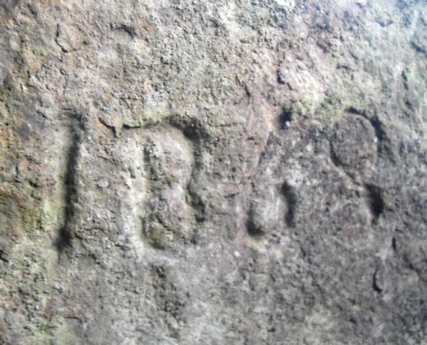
pixel 228 172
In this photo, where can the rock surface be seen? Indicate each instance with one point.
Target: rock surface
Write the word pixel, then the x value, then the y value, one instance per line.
pixel 226 172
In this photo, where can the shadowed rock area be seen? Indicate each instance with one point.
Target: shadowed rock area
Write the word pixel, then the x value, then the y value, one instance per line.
pixel 245 172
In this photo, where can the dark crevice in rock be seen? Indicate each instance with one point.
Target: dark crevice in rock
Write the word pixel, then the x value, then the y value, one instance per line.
pixel 394 244
pixel 291 200
pixel 197 204
pixel 354 111
pixel 252 229
pixel 64 238
pixel 418 48
pixel 285 118
pixel 334 157
pixel 5 250
pixel 280 79
pixel 376 201
pixel 379 131
pixel 192 129
pixel 128 29
pixel 111 128
pixel 192 133
pixel 375 286
pixel 127 127
pixel 378 127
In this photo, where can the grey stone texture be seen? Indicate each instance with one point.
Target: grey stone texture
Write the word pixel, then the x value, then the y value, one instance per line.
pixel 239 172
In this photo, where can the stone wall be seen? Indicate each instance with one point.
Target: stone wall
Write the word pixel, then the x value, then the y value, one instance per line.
pixel 213 172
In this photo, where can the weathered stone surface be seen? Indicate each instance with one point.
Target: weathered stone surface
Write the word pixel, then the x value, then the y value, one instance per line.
pixel 234 172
